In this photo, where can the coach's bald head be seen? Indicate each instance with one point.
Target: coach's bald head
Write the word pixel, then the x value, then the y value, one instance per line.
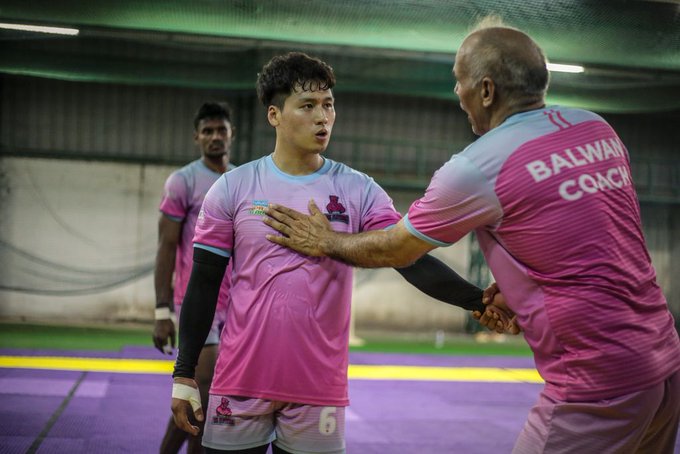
pixel 506 69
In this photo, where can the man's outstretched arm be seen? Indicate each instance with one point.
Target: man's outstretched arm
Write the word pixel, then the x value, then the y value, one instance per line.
pixel 396 247
pixel 198 311
pixel 313 235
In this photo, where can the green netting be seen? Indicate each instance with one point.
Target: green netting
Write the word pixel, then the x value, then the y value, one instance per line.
pixel 234 68
pixel 602 31
pixel 632 49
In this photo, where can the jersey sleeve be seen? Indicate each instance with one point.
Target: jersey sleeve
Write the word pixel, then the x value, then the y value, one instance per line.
pixel 215 224
pixel 174 201
pixel 458 200
pixel 378 210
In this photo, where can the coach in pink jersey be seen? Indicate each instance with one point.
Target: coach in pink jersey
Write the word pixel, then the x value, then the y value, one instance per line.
pixel 281 374
pixel 183 195
pixel 548 191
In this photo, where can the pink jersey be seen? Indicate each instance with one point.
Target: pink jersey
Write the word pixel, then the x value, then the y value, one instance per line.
pixel 287 325
pixel 550 196
pixel 183 196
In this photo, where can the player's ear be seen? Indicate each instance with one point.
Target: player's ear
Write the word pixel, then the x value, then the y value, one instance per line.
pixel 274 115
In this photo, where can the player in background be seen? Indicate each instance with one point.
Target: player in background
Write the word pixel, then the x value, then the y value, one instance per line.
pixel 548 191
pixel 183 196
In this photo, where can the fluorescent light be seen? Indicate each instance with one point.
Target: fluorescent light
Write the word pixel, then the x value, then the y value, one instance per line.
pixel 41 29
pixel 565 68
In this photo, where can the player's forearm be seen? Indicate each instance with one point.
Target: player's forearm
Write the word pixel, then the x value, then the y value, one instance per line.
pixel 198 309
pixel 436 279
pixel 374 249
pixel 165 267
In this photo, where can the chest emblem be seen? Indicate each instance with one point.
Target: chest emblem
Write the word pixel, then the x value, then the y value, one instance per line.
pixel 336 210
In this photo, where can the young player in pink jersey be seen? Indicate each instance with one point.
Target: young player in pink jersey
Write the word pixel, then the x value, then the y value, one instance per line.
pixel 183 195
pixel 549 194
pixel 281 375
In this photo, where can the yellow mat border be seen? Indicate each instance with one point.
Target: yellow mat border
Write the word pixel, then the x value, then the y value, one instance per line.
pixel 356 372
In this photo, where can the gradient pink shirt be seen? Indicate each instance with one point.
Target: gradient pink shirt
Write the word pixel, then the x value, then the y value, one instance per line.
pixel 550 196
pixel 287 326
pixel 183 196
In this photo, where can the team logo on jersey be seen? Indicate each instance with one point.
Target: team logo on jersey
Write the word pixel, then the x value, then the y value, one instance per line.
pixel 258 207
pixel 336 211
pixel 222 414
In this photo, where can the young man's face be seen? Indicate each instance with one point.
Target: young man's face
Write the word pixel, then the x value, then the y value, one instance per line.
pixel 306 120
pixel 213 136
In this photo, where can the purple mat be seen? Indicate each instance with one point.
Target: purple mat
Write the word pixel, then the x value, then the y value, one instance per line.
pixel 127 413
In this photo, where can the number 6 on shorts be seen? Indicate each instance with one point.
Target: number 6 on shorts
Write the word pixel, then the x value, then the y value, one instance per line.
pixel 327 423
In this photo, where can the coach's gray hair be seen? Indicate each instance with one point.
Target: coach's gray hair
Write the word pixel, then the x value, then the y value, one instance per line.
pixel 520 72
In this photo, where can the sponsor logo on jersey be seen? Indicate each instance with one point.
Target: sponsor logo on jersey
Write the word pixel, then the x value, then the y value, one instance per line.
pixel 258 207
pixel 336 210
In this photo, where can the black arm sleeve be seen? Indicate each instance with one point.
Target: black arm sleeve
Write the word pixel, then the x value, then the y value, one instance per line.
pixel 434 278
pixel 198 309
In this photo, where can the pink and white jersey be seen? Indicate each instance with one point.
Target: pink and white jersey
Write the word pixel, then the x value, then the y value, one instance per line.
pixel 287 324
pixel 550 196
pixel 183 196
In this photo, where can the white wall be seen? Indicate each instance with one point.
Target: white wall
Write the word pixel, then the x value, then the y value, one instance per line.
pixel 85 217
pixel 94 224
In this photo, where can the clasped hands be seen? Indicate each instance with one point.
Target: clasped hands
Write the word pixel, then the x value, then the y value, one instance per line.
pixel 498 316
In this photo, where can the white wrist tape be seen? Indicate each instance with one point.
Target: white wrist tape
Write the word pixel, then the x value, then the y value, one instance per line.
pixel 162 313
pixel 186 392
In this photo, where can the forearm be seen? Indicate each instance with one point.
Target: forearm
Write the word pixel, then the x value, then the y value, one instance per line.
pixel 198 309
pixel 374 249
pixel 436 279
pixel 165 267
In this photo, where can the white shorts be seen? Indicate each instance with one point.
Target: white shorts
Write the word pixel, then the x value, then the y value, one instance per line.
pixel 215 331
pixel 234 423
